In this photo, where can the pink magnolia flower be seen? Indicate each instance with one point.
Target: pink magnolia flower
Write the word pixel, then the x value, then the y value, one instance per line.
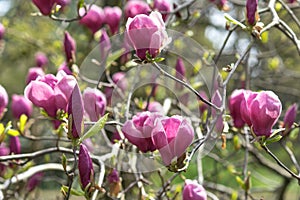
pixel 265 110
pixel 290 116
pixel 251 9
pixel 14 145
pixel 155 106
pixel 45 7
pixel 70 47
pixel 136 7
pixel 94 19
pixel 20 105
pixel 41 59
pixel 51 93
pixel 2 31
pixel 94 103
pixel 147 34
pixel 236 101
pixel 138 130
pixel 113 17
pixel 193 191
pixel 85 166
pixel 172 136
pixel 3 100
pixel 162 6
pixel 33 73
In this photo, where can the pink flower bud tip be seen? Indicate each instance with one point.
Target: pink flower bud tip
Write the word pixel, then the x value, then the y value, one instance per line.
pixel 33 73
pixel 2 31
pixel 41 59
pixel 69 47
pixel 113 17
pixel 162 6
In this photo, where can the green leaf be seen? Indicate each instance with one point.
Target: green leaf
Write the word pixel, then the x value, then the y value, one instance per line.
pixel 234 195
pixel 95 128
pixel 273 139
pixel 74 192
pixel 294 134
pixel 234 21
pixel 22 123
pixel 13 132
pixel 64 162
pixel 240 182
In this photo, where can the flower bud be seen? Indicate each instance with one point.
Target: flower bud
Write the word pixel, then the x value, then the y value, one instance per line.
pixel 180 68
pixel 94 103
pixel 45 7
pixel 172 136
pixel 235 102
pixel 20 105
pixel 136 7
pixel 41 59
pixel 138 130
pixel 85 167
pixel 251 11
pixel 147 34
pixel 34 181
pixel 3 100
pixel 33 73
pixel 14 145
pixel 162 6
pixel 75 108
pixel 290 116
pixel 155 106
pixel 2 31
pixel 70 47
pixel 113 16
pixel 114 183
pixel 94 19
pixel 193 191
pixel 265 110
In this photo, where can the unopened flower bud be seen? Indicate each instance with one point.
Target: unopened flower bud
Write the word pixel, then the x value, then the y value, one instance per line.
pixel 193 191
pixel 45 7
pixel 251 11
pixel 14 145
pixel 162 6
pixel 41 59
pixel 20 105
pixel 85 167
pixel 3 100
pixel 70 47
pixel 135 7
pixel 290 116
pixel 94 18
pixel 113 16
pixel 33 73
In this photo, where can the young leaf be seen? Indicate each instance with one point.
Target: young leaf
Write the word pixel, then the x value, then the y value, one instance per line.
pixel 95 128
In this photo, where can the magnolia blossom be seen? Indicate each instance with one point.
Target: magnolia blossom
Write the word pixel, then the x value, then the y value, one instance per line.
pixel 51 93
pixel 147 34
pixel 14 145
pixel 4 151
pixel 85 166
pixel 171 136
pixel 136 7
pixel 245 106
pixel 94 18
pixel 193 191
pixel 34 181
pixel 20 105
pixel 3 100
pixel 265 110
pixel 138 130
pixel 113 17
pixel 45 7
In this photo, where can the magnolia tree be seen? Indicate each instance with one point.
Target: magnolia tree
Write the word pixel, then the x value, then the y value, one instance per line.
pixel 148 113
